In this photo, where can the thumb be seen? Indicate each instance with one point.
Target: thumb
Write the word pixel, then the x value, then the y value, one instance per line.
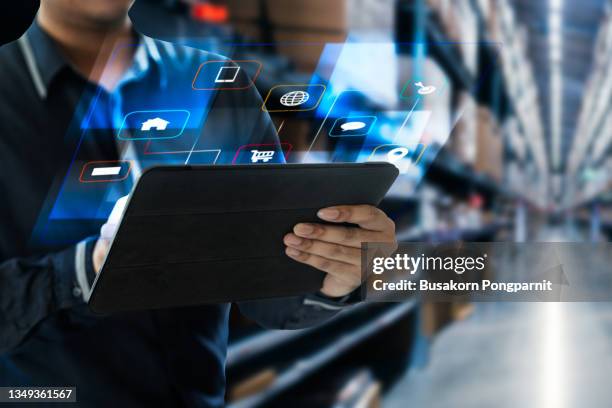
pixel 109 229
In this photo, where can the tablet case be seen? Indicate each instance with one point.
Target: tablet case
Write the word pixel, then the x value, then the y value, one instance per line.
pixel 205 234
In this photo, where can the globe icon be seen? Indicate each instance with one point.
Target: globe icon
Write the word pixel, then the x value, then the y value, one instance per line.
pixel 294 98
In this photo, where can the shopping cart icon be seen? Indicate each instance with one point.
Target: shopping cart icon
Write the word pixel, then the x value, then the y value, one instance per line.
pixel 264 156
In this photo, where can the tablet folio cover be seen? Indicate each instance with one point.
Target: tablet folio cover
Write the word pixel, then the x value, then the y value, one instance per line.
pixel 203 234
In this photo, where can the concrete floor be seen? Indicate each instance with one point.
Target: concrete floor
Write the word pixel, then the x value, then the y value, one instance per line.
pixel 544 355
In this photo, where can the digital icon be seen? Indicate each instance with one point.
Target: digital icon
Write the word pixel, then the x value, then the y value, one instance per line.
pixel 397 154
pixel 157 124
pixel 415 88
pixel 293 98
pixel 153 125
pixel 262 153
pixel 226 75
pixel 402 157
pixel 105 171
pixel 424 90
pixel 353 126
pixel 263 156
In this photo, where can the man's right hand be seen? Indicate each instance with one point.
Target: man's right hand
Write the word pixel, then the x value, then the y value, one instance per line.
pixel 99 253
pixel 107 233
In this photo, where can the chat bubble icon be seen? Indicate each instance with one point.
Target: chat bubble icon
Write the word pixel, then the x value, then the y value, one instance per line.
pixel 348 126
pixel 352 126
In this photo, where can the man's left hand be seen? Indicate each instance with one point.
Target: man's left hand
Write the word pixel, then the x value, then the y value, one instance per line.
pixel 335 249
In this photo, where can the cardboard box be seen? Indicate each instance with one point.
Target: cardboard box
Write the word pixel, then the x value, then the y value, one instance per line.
pixel 336 15
pixel 450 22
pixel 495 167
pixel 463 143
pixel 250 30
pixel 461 310
pixel 492 24
pixel 434 316
pixel 490 147
pixel 361 390
pixel 467 20
pixel 304 48
pixel 309 14
pixel 243 9
pixel 252 385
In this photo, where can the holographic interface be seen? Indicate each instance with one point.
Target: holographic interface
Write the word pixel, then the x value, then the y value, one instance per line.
pixel 363 102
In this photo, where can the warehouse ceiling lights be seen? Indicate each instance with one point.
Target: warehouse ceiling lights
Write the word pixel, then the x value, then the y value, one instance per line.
pixel 555 40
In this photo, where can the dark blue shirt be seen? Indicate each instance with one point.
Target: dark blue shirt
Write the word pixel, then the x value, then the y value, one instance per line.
pixel 52 120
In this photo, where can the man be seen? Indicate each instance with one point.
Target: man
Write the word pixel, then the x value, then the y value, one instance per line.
pixel 62 74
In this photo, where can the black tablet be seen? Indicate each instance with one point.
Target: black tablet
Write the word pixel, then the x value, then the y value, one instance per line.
pixel 206 234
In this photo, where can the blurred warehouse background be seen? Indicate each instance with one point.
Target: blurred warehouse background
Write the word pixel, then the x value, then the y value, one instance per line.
pixel 526 157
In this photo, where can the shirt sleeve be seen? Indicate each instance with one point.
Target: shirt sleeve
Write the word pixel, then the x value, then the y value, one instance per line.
pixel 33 288
pixel 296 312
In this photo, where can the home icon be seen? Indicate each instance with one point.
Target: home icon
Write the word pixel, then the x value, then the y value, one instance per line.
pixel 157 124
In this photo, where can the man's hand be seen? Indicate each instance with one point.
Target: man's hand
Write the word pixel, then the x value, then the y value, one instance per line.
pixel 336 250
pixel 99 253
pixel 107 232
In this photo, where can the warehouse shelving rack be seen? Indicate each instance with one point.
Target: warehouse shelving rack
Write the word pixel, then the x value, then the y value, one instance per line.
pixel 364 321
pixel 299 355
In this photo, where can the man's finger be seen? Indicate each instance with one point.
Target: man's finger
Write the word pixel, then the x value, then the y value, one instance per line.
pixel 349 274
pixel 336 252
pixel 99 254
pixel 347 236
pixel 366 216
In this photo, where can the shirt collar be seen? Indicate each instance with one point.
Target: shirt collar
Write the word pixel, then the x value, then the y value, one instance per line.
pixel 44 59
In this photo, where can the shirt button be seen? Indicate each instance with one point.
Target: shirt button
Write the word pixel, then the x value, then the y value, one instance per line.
pixel 77 292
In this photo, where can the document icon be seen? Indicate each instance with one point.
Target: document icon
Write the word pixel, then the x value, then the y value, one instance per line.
pixel 227 75
pixel 105 171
